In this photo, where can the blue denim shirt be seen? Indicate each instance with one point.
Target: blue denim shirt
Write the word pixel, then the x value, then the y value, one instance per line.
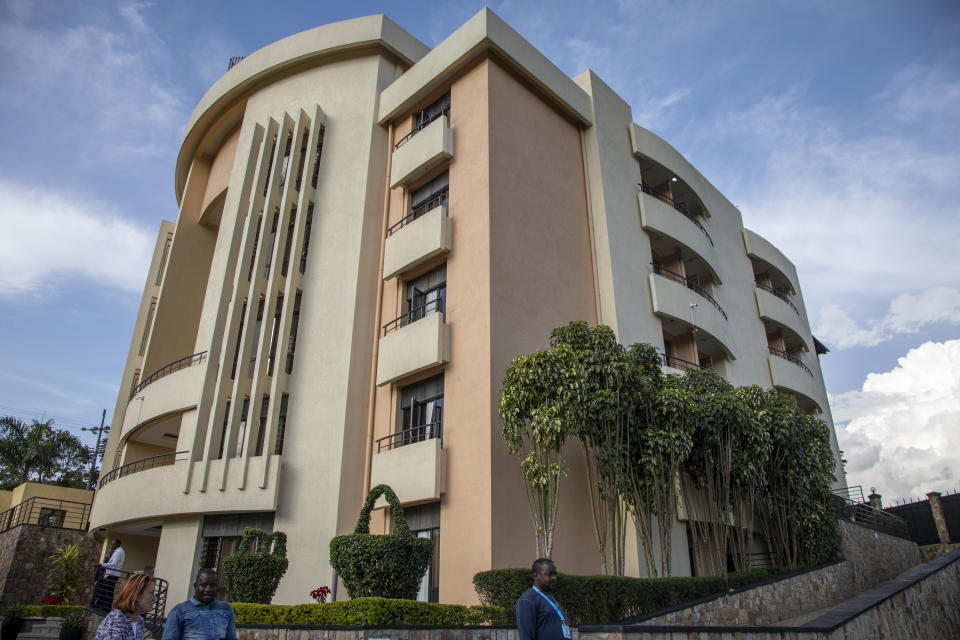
pixel 193 620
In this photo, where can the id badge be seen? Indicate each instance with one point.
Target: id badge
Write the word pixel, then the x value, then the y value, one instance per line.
pixel 566 630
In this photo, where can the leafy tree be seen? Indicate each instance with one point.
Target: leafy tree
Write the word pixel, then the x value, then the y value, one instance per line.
pixel 39 452
pixel 748 479
pixel 538 402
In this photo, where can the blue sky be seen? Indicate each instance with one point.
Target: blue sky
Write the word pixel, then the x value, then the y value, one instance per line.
pixel 833 126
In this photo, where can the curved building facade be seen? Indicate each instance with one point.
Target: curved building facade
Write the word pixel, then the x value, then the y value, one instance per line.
pixel 368 232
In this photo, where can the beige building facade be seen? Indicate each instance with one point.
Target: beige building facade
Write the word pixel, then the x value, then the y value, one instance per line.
pixel 369 231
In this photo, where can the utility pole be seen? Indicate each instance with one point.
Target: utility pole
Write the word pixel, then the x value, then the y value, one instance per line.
pixel 96 450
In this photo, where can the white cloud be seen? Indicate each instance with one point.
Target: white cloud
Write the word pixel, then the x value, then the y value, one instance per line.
pixel 908 314
pixel 50 239
pixel 105 78
pixel 899 431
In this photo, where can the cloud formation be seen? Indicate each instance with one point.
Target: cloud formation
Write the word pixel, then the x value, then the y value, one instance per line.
pixel 899 431
pixel 51 239
pixel 907 314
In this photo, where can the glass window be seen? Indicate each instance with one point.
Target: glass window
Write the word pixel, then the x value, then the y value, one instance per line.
pixel 427 294
pixel 421 410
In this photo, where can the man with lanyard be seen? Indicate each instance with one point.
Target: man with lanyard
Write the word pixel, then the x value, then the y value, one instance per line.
pixel 539 616
pixel 202 617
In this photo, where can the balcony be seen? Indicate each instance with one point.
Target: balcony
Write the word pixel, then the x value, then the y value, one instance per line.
pixel 680 300
pixel 416 471
pixel 774 306
pixel 673 364
pixel 660 215
pixel 136 466
pixel 421 150
pixel 413 342
pixel 417 238
pixel 175 392
pixel 759 248
pixel 789 373
pixel 163 490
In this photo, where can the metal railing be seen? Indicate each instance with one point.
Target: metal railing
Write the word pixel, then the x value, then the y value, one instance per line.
pixel 419 433
pixel 438 200
pixel 679 206
pixel 863 514
pixel 101 601
pixel 233 61
pixel 792 358
pixel 779 294
pixel 423 125
pixel 434 306
pixel 47 512
pixel 162 460
pixel 689 283
pixel 854 493
pixel 680 363
pixel 167 369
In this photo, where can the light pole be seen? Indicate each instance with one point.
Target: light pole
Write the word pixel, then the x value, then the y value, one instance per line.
pixel 96 451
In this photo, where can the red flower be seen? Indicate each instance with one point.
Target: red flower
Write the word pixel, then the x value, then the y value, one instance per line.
pixel 53 598
pixel 320 594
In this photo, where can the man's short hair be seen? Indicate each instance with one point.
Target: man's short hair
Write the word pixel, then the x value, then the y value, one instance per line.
pixel 117 542
pixel 541 564
pixel 205 572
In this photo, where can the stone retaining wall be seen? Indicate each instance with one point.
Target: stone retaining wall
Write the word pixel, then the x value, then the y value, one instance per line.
pixel 25 553
pixel 875 557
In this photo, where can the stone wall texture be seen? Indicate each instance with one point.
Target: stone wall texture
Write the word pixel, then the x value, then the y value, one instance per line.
pixel 25 553
pixel 931 551
pixel 876 557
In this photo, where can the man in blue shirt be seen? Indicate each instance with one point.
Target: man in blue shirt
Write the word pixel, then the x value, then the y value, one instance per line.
pixel 202 617
pixel 539 615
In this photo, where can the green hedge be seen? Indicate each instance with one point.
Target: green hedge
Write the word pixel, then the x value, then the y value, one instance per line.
pixel 606 599
pixel 48 610
pixel 369 611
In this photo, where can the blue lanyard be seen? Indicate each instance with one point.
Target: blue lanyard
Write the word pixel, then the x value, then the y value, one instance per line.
pixel 552 604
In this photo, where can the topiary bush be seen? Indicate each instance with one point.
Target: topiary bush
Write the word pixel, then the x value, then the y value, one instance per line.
pixel 254 577
pixel 607 599
pixel 384 566
pixel 369 611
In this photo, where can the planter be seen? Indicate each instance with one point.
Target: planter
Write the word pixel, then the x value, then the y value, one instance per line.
pixel 71 634
pixel 10 628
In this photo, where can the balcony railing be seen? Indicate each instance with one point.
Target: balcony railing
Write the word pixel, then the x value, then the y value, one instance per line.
pixel 431 204
pixel 173 367
pixel 419 433
pixel 689 283
pixel 792 358
pixel 434 306
pixel 162 460
pixel 423 125
pixel 864 514
pixel 102 601
pixel 679 206
pixel 680 363
pixel 779 294
pixel 47 512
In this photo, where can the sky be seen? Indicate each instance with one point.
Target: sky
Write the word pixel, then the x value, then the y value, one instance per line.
pixel 833 126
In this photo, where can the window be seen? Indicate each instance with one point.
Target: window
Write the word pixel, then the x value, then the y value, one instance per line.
pixel 262 425
pixel 429 196
pixel 306 239
pixel 147 325
pixel 281 424
pixel 266 174
pixel 243 426
pixel 256 339
pixel 421 411
pixel 220 537
pixel 286 162
pixel 51 517
pixel 223 430
pixel 427 294
pixel 294 325
pixel 303 157
pixel 163 258
pixel 432 112
pixel 269 248
pixel 288 242
pixel 236 351
pixel 316 159
pixel 274 334
pixel 424 522
pixel 256 243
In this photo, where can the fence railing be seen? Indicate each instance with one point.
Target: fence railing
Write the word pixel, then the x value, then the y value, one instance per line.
pixel 431 204
pixel 680 363
pixel 792 358
pixel 167 369
pixel 104 591
pixel 434 306
pixel 162 460
pixel 854 493
pixel 679 206
pixel 779 294
pixel 233 61
pixel 863 514
pixel 689 283
pixel 423 125
pixel 418 433
pixel 47 512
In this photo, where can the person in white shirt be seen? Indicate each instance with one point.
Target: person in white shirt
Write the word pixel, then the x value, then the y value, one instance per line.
pixel 103 590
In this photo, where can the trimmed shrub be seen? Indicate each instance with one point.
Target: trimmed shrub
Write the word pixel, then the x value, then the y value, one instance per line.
pixel 254 577
pixel 369 611
pixel 387 566
pixel 607 599
pixel 49 610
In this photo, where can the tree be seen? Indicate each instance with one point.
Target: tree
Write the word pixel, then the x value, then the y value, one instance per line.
pixel 38 452
pixel 66 566
pixel 538 402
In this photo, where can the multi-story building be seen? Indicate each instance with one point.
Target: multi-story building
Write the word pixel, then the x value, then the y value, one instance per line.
pixel 369 231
